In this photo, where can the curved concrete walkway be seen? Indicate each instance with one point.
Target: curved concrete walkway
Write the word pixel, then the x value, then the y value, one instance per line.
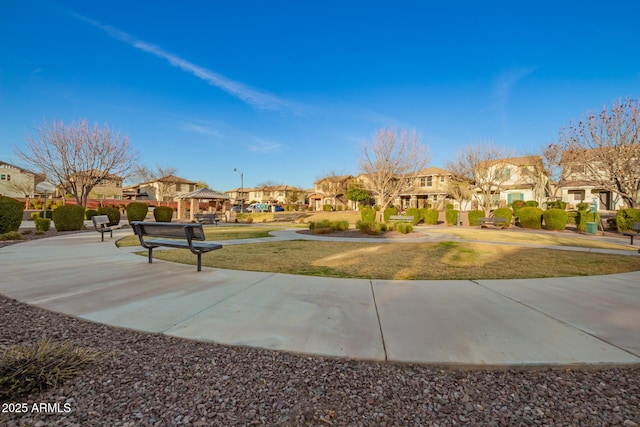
pixel 565 321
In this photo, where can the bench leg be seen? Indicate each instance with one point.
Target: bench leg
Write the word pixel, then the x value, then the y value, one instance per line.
pixel 631 240
pixel 199 261
pixel 150 255
pixel 102 235
pixel 111 233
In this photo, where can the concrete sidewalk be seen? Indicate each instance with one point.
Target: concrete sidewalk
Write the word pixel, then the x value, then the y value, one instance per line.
pixel 579 320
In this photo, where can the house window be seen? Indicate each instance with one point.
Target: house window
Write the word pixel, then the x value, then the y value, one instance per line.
pixel 429 181
pixel 442 179
pixel 423 182
pixel 506 173
pixel 4 177
pixel 576 195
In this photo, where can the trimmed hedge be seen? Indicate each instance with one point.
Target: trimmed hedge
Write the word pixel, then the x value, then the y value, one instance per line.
pixel 42 224
pixel 11 211
pixel 90 213
pixel 555 219
pixel 163 214
pixel 557 204
pixel 505 213
pixel 404 227
pixel 326 226
pixel 69 218
pixel 368 214
pixel 585 216
pixel 388 212
pixel 431 216
pixel 532 204
pixel 530 217
pixel 112 213
pixel 474 215
pixel 137 211
pixel 625 218
pixel 451 216
pixel 416 213
pixel 516 205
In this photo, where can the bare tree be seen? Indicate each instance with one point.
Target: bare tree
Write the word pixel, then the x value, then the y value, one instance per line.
pixel 460 191
pixel 608 143
pixel 78 157
pixel 483 165
pixel 551 158
pixel 389 163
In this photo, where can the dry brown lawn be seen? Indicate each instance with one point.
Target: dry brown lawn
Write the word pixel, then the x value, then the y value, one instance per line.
pixel 397 261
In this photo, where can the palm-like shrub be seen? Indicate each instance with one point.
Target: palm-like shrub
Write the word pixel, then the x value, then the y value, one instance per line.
pixel 137 211
pixel 531 217
pixel 69 218
pixel 555 219
pixel 368 214
pixel 11 211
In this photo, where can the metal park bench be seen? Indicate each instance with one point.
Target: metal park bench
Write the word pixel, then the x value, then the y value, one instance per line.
pixel 207 218
pixel 401 218
pixel 101 223
pixel 173 235
pixel 498 222
pixel 634 232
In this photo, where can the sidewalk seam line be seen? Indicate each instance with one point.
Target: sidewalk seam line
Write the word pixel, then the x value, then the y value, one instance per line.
pixel 186 319
pixel 375 305
pixel 557 320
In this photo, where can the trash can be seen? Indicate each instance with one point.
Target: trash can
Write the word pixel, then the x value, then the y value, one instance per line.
pixel 592 227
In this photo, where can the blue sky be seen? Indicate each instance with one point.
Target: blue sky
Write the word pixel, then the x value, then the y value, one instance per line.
pixel 287 91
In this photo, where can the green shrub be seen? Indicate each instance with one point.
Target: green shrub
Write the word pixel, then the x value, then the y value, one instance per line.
pixel 11 211
pixel 11 235
pixel 68 218
pixel 249 220
pixel 339 208
pixel 28 369
pixel 516 205
pixel 371 228
pixel 90 213
pixel 368 215
pixel 451 216
pixel 404 227
pixel 388 212
pixel 556 204
pixel 572 217
pixel 112 213
pixel 163 214
pixel 449 206
pixel 555 219
pixel 582 206
pixel 625 218
pixel 505 213
pixel 474 215
pixel 137 211
pixel 43 224
pixel 532 204
pixel 583 217
pixel 416 213
pixel 431 216
pixel 530 217
pixel 325 226
pixel 326 208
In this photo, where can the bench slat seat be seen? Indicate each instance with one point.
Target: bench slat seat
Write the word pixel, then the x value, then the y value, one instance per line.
pixel 498 222
pixel 173 235
pixel 634 232
pixel 207 218
pixel 401 218
pixel 101 224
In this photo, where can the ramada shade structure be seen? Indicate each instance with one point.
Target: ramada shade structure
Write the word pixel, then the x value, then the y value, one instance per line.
pixel 199 194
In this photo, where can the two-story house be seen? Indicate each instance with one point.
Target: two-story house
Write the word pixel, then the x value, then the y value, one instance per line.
pixel 584 178
pixel 428 188
pixel 16 181
pixel 330 191
pixel 165 189
pixel 509 179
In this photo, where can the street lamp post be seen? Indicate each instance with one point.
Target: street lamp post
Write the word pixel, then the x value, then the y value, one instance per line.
pixel 241 189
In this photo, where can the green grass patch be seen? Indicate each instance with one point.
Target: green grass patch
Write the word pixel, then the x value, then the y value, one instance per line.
pixel 408 261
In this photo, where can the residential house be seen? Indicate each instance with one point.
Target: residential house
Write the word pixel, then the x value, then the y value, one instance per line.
pixel 330 191
pixel 16 181
pixel 429 188
pixel 165 189
pixel 514 178
pixel 584 179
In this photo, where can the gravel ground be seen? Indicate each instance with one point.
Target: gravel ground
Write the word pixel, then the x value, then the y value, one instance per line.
pixel 146 379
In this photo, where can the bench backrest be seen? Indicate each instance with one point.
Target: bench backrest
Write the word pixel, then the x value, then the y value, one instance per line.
pixel 100 220
pixel 168 230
